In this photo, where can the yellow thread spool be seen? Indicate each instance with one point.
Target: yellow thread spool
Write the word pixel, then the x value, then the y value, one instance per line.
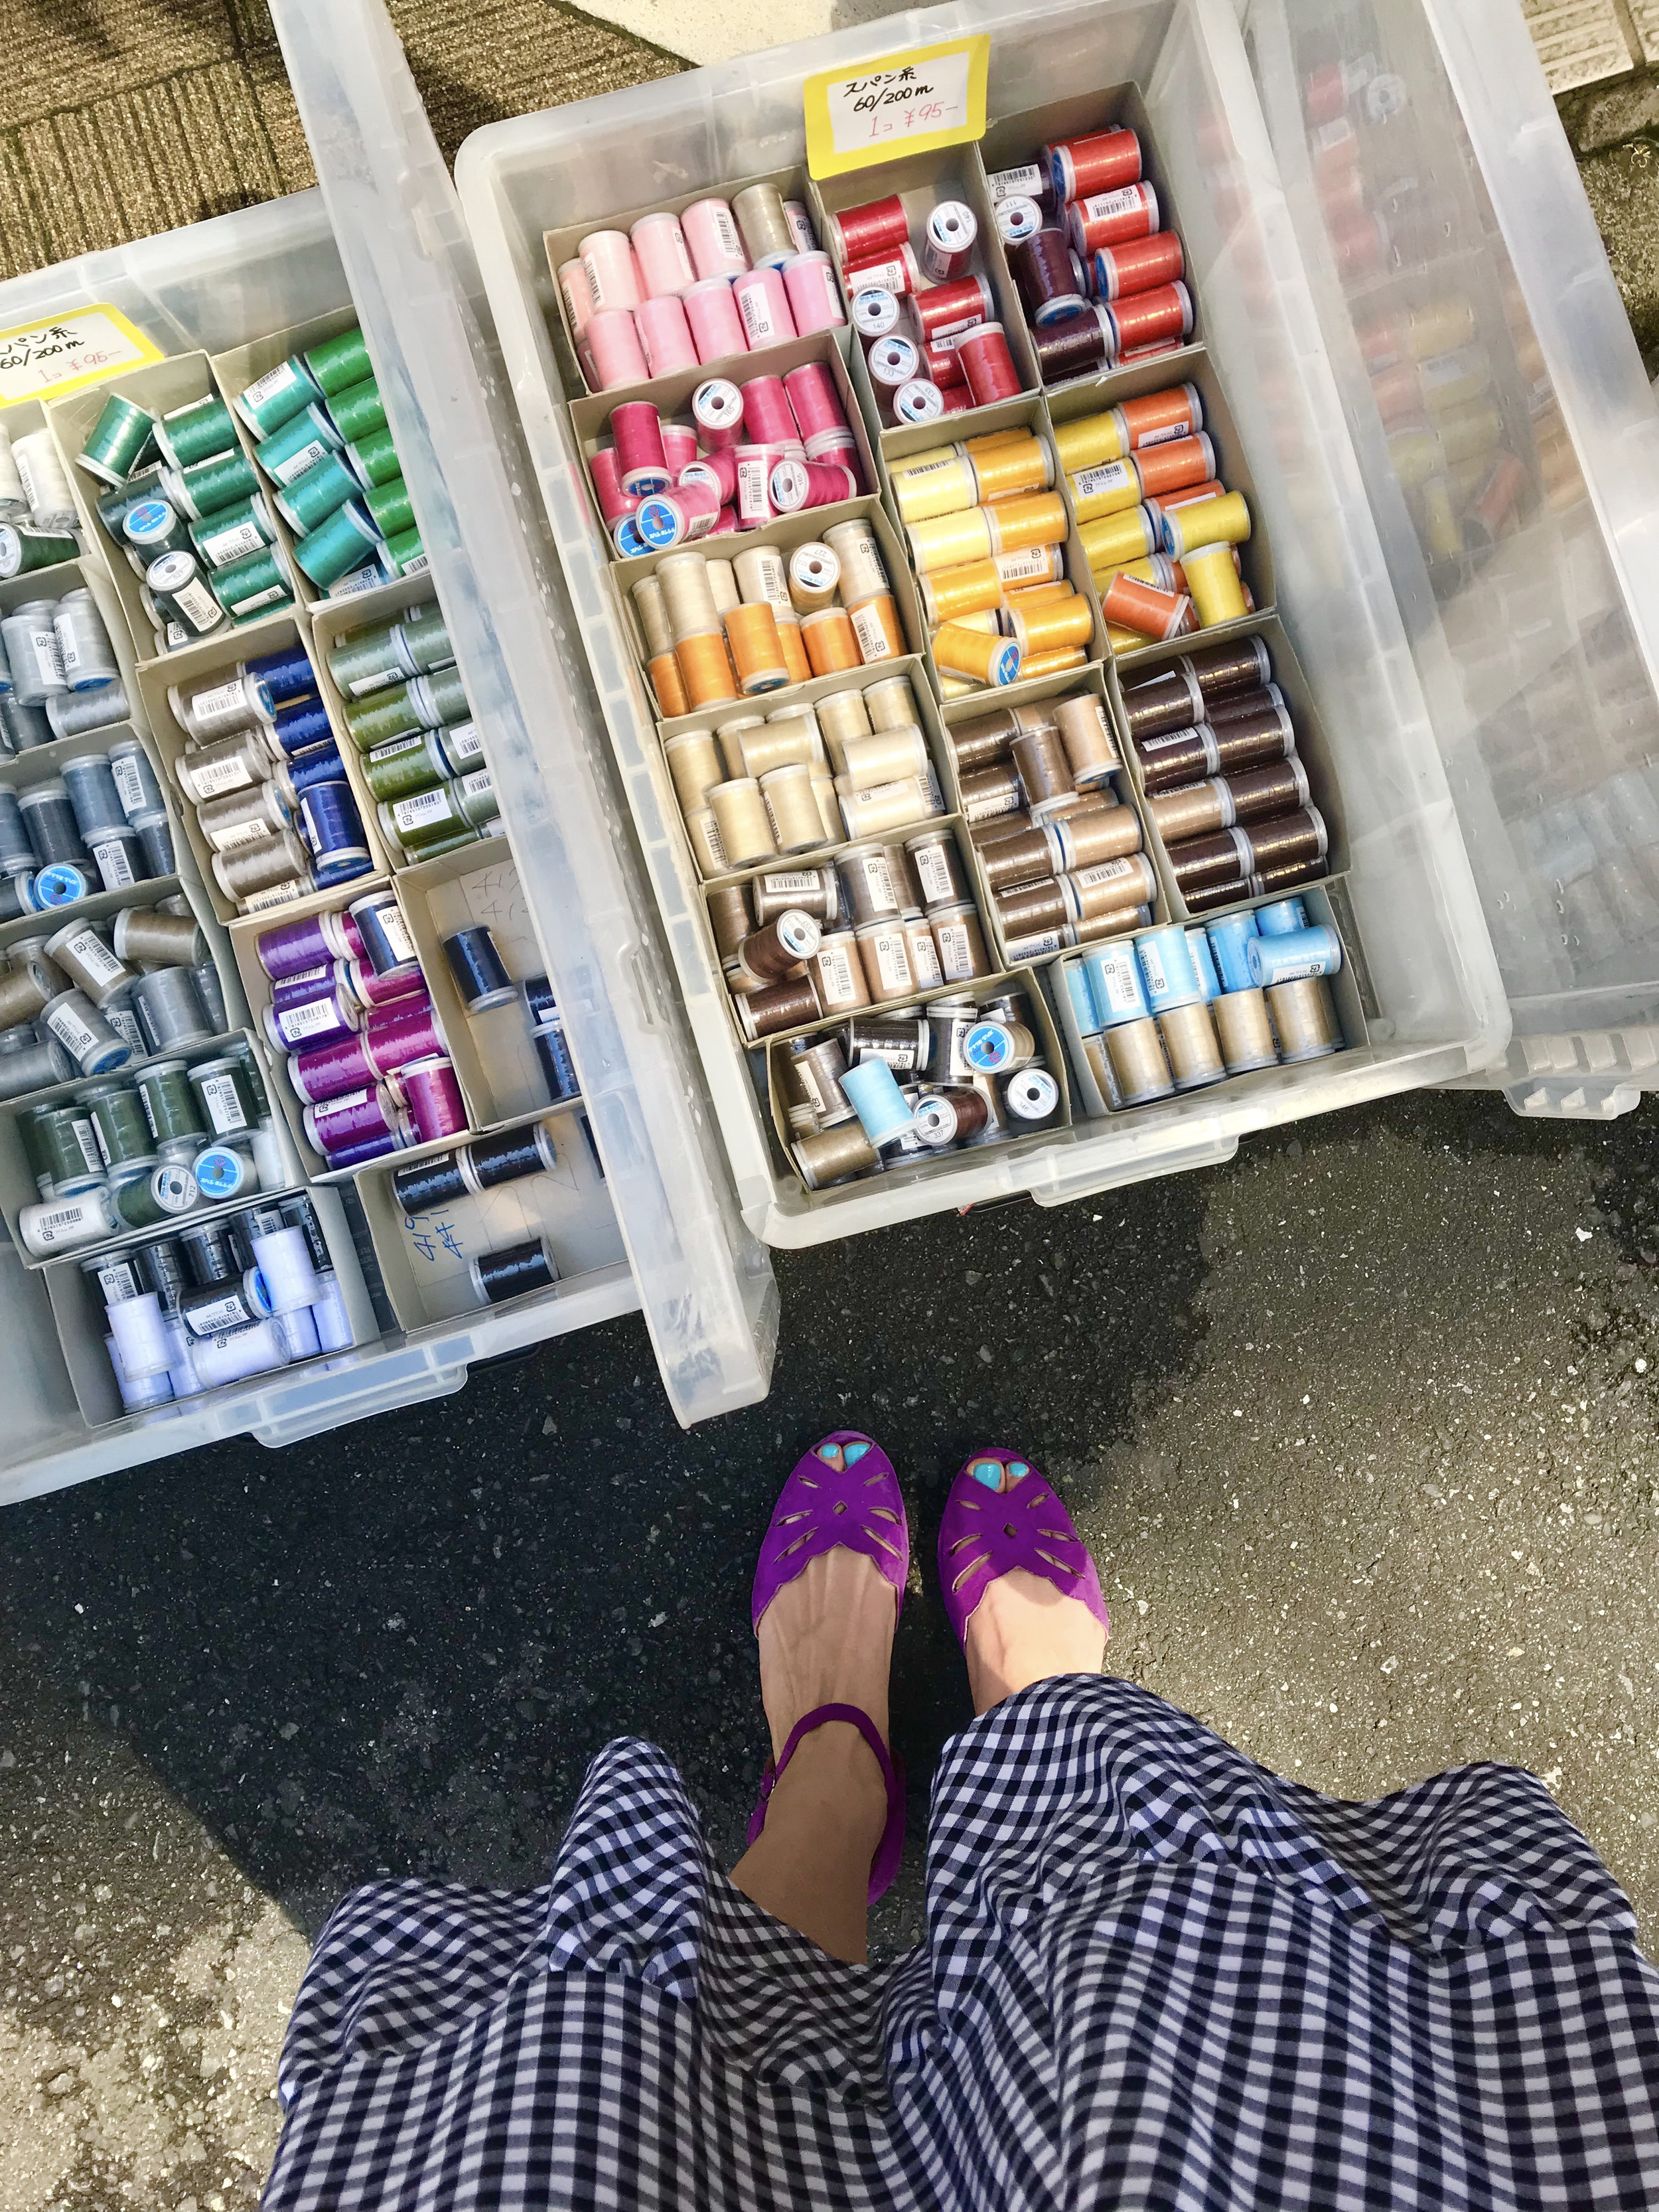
pixel 1115 538
pixel 1054 627
pixel 952 540
pixel 939 488
pixel 1021 464
pixel 1091 440
pixel 876 626
pixel 1213 584
pixel 1036 518
pixel 1224 521
pixel 1111 488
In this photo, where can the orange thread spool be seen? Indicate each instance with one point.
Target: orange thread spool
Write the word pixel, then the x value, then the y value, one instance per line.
pixel 665 673
pixel 1143 608
pixel 705 669
pixel 876 629
pixel 751 633
pixel 831 643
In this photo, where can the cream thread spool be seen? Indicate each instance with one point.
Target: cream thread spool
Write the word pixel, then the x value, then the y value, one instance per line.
pixel 777 744
pixel 824 790
pixel 693 762
pixel 1245 1031
pixel 863 571
pixel 886 806
pixel 731 735
pixel 842 716
pixel 651 608
pixel 889 704
pixel 802 710
pixel 797 825
pixel 745 827
pixel 884 756
pixel 814 578
pixel 703 834
pixel 763 574
pixel 688 596
pixel 723 583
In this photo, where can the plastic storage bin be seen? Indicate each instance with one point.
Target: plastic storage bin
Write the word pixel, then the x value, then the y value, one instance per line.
pixel 661 1204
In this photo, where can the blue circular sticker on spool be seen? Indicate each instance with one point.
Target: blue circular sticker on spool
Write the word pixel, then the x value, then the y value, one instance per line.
pixel 628 540
pixel 222 1172
pixel 659 523
pixel 988 1048
pixel 1004 664
pixel 60 885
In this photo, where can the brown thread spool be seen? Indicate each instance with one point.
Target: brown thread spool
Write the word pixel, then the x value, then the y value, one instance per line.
pixel 838 971
pixel 793 806
pixel 984 741
pixel 817 891
pixel 23 994
pixel 923 951
pixel 789 1006
pixel 1095 833
pixel 1261 792
pixel 883 757
pixel 257 868
pixel 869 892
pixel 952 1116
pixel 1041 763
pixel 1252 740
pixel 885 957
pixel 1272 883
pixel 990 792
pixel 1223 859
pixel 891 704
pixel 1118 922
pixel 834 1154
pixel 1033 907
pixel 745 827
pixel 731 735
pixel 1013 861
pixel 757 650
pixel 728 917
pixel 781 951
pixel 1162 704
pixel 1242 704
pixel 814 1067
pixel 1190 1040
pixel 1180 756
pixel 903 1040
pixel 1107 888
pixel 905 881
pixel 1239 665
pixel 1246 1033
pixel 1087 737
pixel 1290 840
pixel 936 865
pixel 694 762
pixel 157 939
pixel 1195 810
pixel 1139 1061
pixel 1304 1015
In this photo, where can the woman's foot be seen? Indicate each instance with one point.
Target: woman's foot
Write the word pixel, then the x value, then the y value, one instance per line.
pixel 1023 1627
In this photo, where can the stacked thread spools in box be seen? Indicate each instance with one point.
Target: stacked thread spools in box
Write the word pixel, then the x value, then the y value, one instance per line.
pixel 261 771
pixel 59 676
pixel 39 521
pixel 677 291
pixel 98 825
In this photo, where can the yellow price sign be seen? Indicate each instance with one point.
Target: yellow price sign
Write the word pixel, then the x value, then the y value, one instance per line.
pixel 898 104
pixel 43 360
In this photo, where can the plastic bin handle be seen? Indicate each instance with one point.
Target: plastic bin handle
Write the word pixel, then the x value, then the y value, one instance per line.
pixel 1182 1151
pixel 328 1401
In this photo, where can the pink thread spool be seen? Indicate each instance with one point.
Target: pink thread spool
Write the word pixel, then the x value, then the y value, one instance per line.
pixel 433 1097
pixel 679 445
pixel 613 274
pixel 717 411
pixel 725 523
pixel 666 335
pixel 813 400
pixel 614 342
pixel 578 300
pixel 814 295
pixel 406 1031
pixel 642 463
pixel 762 300
pixel 354 1118
pixel 719 469
pixel 798 484
pixel 800 227
pixel 711 233
pixel 329 1071
pixel 988 366
pixel 837 445
pixel 664 257
pixel 716 325
pixel 372 990
pixel 768 417
pixel 675 518
pixel 614 502
pixel 754 500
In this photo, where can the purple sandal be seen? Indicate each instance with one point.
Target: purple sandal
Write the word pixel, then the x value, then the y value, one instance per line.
pixel 843 1491
pixel 986 1531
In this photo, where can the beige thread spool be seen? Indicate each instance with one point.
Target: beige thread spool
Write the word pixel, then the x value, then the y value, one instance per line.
pixel 843 715
pixel 797 824
pixel 704 833
pixel 761 573
pixel 1031 907
pixel 1041 763
pixel 731 735
pixel 1116 921
pixel 155 937
pixel 688 596
pixel 937 866
pixel 889 704
pixel 1190 1040
pixel 652 610
pixel 923 950
pixel 863 571
pixel 1105 1075
pixel 838 973
pixel 885 806
pixel 885 956
pixel 1194 810
pixel 802 710
pixel 1139 1061
pixel 824 790
pixel 1304 1015
pixel 22 995
pixel 776 745
pixel 261 867
pixel 694 762
pixel 745 827
pixel 961 942
pixel 1087 737
pixel 834 1154
pixel 815 891
pixel 1245 1031
pixel 1090 835
pixel 990 792
pixel 728 917
pixel 883 757
pixel 723 583
pixel 1029 859
pixel 814 578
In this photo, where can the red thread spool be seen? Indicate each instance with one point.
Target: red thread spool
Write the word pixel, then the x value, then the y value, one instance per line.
pixel 642 463
pixel 988 366
pixel 1049 276
pixel 956 306
pixel 1111 217
pixel 1080 167
pixel 896 273
pixel 1139 264
pixel 768 417
pixel 861 233
pixel 943 366
pixel 813 400
pixel 1149 319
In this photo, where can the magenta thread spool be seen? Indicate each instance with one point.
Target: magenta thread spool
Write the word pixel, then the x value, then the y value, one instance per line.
pixel 662 256
pixel 717 411
pixel 797 484
pixel 433 1097
pixel 711 235
pixel 636 432
pixel 613 339
pixel 676 517
pixel 665 336
pixel 370 989
pixel 755 466
pixel 613 274
pixel 679 445
pixel 813 400
pixel 614 502
pixel 396 1037
pixel 357 1117
pixel 715 325
pixel 719 469
pixel 768 417
pixel 814 295
pixel 762 300
pixel 298 946
pixel 328 1070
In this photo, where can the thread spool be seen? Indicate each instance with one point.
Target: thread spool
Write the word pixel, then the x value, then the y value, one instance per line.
pixel 791 804
pixel 1135 1051
pixel 988 366
pixel 479 972
pixel 883 757
pixel 258 870
pixel 88 962
pixel 1190 1043
pixel 871 1089
pixel 739 810
pixel 751 636
pixel 834 1154
pixel 1048 276
pixel 45 485
pixel 84 1034
pixel 1244 1031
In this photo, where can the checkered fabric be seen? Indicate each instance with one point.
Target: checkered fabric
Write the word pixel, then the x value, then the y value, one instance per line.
pixel 1154 1976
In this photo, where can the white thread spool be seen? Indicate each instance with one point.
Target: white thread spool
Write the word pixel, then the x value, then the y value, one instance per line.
pixel 688 596
pixel 284 1257
pixel 45 483
pixel 140 1331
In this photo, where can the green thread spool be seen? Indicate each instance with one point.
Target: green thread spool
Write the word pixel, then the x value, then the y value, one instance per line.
pixel 154 1195
pixel 444 696
pixel 308 502
pixel 114 505
pixel 406 554
pixel 121 438
pixel 224 1096
pixel 68 1148
pixel 435 852
pixel 275 398
pixel 298 445
pixel 247 587
pixel 389 504
pixel 340 361
pixel 476 796
pixel 198 432
pixel 358 410
pixel 169 1102
pixel 247 1060
pixel 424 636
pixel 212 484
pixel 122 1126
pixel 380 717
pixel 341 544
pixel 366 660
pixel 405 766
pixel 23 551
pixel 416 823
pixel 233 533
pixel 375 458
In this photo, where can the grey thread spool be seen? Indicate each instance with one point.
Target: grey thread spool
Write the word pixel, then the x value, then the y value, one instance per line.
pixel 36 1067
pixel 170 1010
pixel 262 867
pixel 17 853
pixel 75 714
pixel 155 842
pixel 135 779
pixel 88 962
pixel 52 503
pixel 30 636
pixel 156 939
pixel 23 994
pixel 211 992
pixel 92 794
pixel 25 726
pixel 83 643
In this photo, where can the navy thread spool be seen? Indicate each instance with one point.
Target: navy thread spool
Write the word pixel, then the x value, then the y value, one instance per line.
pixel 479 971
pixel 208 1251
pixel 78 713
pixel 135 779
pixel 154 835
pixel 553 1057
pixel 498 1276
pixel 26 726
pixel 287 674
pixel 303 724
pixel 49 820
pixel 538 1001
pixel 380 923
pixel 90 784
pixel 15 902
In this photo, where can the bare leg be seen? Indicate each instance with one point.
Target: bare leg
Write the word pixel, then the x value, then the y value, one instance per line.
pixel 825 1639
pixel 1023 1631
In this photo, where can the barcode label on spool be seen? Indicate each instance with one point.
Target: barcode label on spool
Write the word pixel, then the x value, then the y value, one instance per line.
pixel 128 785
pixel 224 1107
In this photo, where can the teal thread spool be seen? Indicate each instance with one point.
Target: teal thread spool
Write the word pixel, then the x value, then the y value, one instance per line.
pixel 406 555
pixel 389 504
pixel 121 439
pixel 211 485
pixel 275 398
pixel 23 551
pixel 113 507
pixel 358 411
pixel 340 361
pixel 308 502
pixel 342 544
pixel 248 586
pixel 200 431
pixel 375 458
pixel 233 533
pixel 298 445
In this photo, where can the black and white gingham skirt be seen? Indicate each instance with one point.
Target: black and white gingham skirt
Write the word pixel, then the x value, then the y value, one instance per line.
pixel 1155 1975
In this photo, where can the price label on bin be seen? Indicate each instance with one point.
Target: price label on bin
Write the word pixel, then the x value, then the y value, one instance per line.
pixel 42 361
pixel 897 104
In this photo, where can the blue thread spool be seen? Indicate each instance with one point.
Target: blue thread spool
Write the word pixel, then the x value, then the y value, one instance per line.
pixel 317 764
pixel 553 1055
pixel 61 885
pixel 538 1000
pixel 1229 941
pixel 90 784
pixel 333 829
pixel 287 675
pixel 1169 969
pixel 1115 984
pixel 1280 919
pixel 1083 998
pixel 387 942
pixel 1199 944
pixel 872 1091
pixel 1289 956
pixel 16 852
pixel 304 724
pixel 479 971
